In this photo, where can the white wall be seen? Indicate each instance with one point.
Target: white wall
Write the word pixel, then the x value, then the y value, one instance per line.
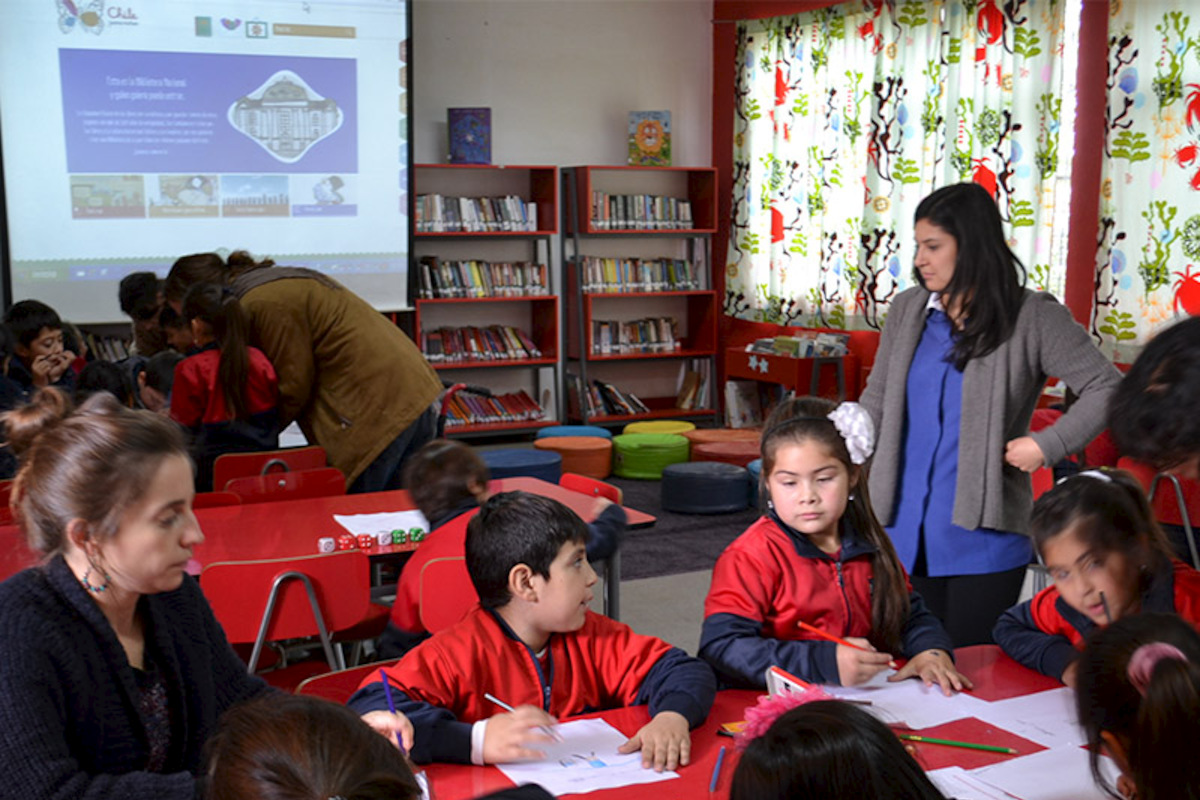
pixel 561 76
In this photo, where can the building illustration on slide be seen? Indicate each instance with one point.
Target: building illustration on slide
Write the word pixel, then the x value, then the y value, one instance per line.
pixel 285 116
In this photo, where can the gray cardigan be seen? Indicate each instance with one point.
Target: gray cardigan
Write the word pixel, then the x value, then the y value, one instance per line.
pixel 999 394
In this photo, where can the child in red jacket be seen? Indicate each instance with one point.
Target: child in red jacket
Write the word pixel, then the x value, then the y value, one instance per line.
pixel 535 645
pixel 819 558
pixel 1108 559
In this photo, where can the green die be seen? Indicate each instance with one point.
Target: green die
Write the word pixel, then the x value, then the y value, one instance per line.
pixel 416 535
pixel 399 537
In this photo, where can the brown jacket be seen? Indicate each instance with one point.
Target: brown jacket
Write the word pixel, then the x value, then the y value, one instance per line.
pixel 351 378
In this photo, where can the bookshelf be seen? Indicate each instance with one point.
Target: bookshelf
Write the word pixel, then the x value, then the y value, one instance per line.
pixel 485 308
pixel 641 314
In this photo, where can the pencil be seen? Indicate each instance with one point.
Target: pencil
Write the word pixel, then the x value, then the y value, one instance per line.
pixel 387 691
pixel 912 737
pixel 492 698
pixel 716 776
pixel 1104 602
pixel 827 635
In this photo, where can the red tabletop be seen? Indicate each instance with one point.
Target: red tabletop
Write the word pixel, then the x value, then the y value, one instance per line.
pixel 996 677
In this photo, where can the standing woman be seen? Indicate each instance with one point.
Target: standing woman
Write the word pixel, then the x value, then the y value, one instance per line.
pixel 354 381
pixel 961 364
pixel 113 670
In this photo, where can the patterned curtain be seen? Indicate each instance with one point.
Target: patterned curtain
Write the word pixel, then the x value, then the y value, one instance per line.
pixel 848 116
pixel 1148 264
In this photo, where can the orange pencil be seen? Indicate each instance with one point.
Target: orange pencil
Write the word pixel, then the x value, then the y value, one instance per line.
pixel 827 635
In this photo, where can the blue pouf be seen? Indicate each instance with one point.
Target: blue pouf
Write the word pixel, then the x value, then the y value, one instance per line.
pixel 705 487
pixel 517 463
pixel 574 430
pixel 755 468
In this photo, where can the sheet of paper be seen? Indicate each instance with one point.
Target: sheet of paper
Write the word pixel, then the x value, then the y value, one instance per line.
pixel 1048 718
pixel 956 782
pixel 585 760
pixel 1058 774
pixel 910 702
pixel 384 521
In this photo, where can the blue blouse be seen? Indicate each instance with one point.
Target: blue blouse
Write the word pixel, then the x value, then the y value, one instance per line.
pixel 929 471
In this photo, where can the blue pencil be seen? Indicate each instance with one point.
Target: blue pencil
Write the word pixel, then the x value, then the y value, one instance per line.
pixel 716 776
pixel 387 691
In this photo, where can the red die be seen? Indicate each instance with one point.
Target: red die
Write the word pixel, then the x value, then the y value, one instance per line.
pixel 365 541
pixel 346 542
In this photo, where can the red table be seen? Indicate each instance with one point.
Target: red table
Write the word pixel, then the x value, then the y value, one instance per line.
pixel 996 677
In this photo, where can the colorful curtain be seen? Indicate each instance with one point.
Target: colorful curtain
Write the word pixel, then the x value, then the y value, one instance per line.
pixel 1148 263
pixel 847 116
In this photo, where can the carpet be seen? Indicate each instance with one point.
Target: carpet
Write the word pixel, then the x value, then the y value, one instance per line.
pixel 677 542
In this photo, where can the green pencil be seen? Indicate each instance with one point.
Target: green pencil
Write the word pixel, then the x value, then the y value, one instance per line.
pixel 912 737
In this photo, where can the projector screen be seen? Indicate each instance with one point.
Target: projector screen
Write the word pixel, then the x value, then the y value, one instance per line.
pixel 137 131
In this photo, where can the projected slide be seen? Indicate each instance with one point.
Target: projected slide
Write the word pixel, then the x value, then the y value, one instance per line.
pixel 136 133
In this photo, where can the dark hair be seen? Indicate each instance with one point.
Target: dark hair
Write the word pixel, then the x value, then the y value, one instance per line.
pixel 102 376
pixel 140 295
pixel 91 465
pixel 160 370
pixel 829 749
pixel 516 528
pixel 988 277
pixel 1152 413
pixel 1152 726
pixel 1110 516
pixel 801 419
pixel 291 747
pixel 440 474
pixel 218 307
pixel 27 318
pixel 169 318
pixel 208 268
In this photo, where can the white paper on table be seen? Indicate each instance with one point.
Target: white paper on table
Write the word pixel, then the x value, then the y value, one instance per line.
pixel 384 521
pixel 1061 773
pixel 585 760
pixel 910 702
pixel 1048 718
pixel 956 782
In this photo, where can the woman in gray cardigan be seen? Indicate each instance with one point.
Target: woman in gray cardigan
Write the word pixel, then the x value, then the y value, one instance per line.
pixel 961 363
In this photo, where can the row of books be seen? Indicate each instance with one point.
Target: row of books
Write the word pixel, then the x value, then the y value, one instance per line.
pixel 493 343
pixel 803 344
pixel 643 212
pixel 473 409
pixel 603 274
pixel 692 386
pixel 600 398
pixel 438 213
pixel 443 278
pixel 108 348
pixel 649 335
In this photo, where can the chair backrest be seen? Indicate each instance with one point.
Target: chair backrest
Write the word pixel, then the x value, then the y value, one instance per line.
pixel 215 499
pixel 1165 490
pixel 289 598
pixel 445 593
pixel 321 482
pixel 240 465
pixel 585 485
pixel 338 686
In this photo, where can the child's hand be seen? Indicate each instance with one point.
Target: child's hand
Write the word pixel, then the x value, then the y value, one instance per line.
pixel 1070 673
pixel 387 724
pixel 664 741
pixel 507 735
pixel 858 666
pixel 935 666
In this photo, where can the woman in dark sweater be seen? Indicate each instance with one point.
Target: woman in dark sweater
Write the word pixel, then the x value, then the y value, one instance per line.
pixel 113 670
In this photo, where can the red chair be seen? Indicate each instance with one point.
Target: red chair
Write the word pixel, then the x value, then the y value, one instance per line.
pixel 290 598
pixel 1179 506
pixel 215 500
pixel 445 593
pixel 241 465
pixel 269 488
pixel 338 686
pixel 586 485
pixel 6 512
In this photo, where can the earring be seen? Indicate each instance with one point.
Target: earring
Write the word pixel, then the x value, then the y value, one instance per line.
pixel 88 584
pixel 851 497
pixel 771 504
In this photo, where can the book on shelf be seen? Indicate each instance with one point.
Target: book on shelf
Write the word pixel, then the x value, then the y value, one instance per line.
pixel 470 135
pixel 650 138
pixel 616 401
pixel 443 278
pixel 649 335
pixel 471 343
pixel 608 274
pixel 691 388
pixel 465 408
pixel 803 344
pixel 436 213
pixel 746 403
pixel 108 348
pixel 645 212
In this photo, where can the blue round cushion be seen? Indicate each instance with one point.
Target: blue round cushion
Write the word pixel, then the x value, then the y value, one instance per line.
pixel 518 463
pixel 705 487
pixel 574 430
pixel 755 468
